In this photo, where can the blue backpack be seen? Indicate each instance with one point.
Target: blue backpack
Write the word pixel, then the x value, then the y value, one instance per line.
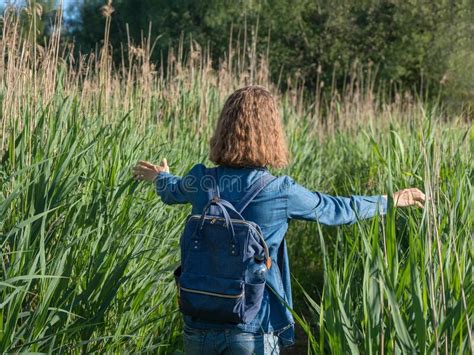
pixel 217 247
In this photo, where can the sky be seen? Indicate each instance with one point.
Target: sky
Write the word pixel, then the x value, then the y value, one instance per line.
pixel 4 2
pixel 66 3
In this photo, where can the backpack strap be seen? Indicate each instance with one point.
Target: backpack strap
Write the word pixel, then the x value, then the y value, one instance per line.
pixel 258 186
pixel 213 190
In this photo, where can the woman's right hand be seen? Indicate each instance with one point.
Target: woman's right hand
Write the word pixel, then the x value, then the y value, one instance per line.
pixel 409 197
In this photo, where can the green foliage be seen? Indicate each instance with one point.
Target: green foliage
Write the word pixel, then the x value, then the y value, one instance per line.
pixel 87 253
pixel 391 284
pixel 408 44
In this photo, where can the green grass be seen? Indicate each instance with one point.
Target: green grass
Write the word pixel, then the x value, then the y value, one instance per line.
pixel 87 253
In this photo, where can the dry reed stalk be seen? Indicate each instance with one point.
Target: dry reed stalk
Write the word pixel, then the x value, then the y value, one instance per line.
pixel 93 77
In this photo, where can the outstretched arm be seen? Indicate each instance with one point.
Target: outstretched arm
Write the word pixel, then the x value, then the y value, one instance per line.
pixel 333 210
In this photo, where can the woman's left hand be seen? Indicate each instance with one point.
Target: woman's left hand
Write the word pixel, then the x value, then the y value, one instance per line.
pixel 146 171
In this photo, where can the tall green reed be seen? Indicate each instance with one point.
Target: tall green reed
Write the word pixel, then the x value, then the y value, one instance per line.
pixel 401 283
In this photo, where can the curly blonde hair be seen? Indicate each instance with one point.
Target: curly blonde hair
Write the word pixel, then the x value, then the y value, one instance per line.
pixel 249 131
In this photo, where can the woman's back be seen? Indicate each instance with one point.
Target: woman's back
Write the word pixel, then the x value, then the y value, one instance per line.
pixel 281 200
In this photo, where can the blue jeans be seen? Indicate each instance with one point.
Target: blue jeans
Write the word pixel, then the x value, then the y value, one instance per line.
pixel 228 341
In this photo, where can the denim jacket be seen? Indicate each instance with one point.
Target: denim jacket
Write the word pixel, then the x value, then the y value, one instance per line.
pixel 280 201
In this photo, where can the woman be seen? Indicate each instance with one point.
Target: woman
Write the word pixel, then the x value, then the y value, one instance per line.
pixel 249 138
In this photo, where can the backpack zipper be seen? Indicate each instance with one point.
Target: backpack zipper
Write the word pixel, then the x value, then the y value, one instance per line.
pixel 211 293
pixel 214 219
